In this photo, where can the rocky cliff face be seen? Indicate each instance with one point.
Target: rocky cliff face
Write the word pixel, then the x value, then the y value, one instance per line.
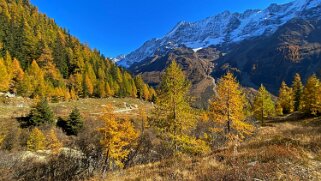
pixel 196 65
pixel 225 28
pixel 294 48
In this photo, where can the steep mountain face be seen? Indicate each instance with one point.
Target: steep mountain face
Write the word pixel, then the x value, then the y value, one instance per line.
pixel 294 48
pixel 224 29
pixel 260 47
pixel 196 65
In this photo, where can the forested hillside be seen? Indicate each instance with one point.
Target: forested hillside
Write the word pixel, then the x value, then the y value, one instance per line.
pixel 38 58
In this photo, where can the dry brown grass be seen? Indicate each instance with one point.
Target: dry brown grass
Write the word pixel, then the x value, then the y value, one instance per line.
pixel 90 108
pixel 280 151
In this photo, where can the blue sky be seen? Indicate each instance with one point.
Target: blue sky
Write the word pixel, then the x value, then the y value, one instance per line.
pixel 119 26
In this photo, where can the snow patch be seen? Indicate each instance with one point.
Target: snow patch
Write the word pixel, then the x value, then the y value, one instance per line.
pixel 225 27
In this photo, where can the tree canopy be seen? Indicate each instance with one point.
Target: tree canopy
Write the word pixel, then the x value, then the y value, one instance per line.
pixel 263 105
pixel 227 108
pixel 55 64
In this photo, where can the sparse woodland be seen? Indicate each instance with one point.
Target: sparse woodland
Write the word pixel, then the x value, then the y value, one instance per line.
pixel 49 145
pixel 237 138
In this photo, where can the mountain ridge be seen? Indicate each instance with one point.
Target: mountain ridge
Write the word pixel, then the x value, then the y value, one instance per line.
pixel 223 28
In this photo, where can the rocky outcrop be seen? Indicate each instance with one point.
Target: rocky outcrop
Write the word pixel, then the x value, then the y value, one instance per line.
pixel 197 66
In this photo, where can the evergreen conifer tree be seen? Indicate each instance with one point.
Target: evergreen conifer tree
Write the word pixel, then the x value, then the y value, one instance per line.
pixel 40 114
pixel 297 87
pixel 74 123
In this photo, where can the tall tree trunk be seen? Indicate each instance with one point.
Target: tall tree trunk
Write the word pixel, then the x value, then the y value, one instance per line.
pixel 106 165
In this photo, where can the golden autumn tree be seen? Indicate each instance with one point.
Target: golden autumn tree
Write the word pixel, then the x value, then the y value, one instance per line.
pixel 263 105
pixel 77 82
pixel 278 109
pixel 227 108
pixel 88 88
pixel 133 92
pixel 36 140
pixel 73 95
pixel 51 73
pixel 67 95
pixel 297 87
pixel 285 99
pixel 53 142
pixel 17 75
pixel 109 91
pixel 152 94
pixel 34 81
pixel 4 77
pixel 173 116
pixel 173 113
pixel 311 100
pixel 101 89
pixel 116 137
pixel 145 92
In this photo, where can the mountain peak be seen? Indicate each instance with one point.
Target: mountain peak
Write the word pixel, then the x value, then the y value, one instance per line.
pixel 223 28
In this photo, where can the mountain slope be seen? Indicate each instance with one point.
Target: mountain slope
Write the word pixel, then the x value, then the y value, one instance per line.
pixel 196 65
pixel 294 48
pixel 224 28
pixel 64 67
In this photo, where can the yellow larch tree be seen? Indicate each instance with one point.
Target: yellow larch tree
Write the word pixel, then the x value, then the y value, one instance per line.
pixel 263 105
pixel 145 92
pixel 88 88
pixel 101 89
pixel 311 100
pixel 36 78
pixel 17 75
pixel 116 137
pixel 173 113
pixel 36 140
pixel 227 108
pixel 286 98
pixel 73 95
pixel 53 142
pixel 109 91
pixel 174 118
pixel 4 77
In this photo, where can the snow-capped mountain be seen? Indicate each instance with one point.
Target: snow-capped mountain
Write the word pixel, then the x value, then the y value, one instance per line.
pixel 224 28
pixel 118 58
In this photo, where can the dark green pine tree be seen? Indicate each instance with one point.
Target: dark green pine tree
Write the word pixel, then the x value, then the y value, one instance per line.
pixel 41 114
pixel 74 123
pixel 297 87
pixel 60 56
pixel 25 44
pixel 140 86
